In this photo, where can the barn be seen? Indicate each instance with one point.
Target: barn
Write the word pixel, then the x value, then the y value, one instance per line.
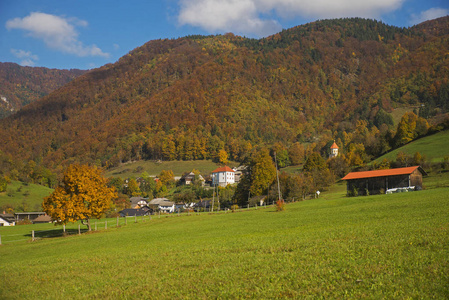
pixel 384 181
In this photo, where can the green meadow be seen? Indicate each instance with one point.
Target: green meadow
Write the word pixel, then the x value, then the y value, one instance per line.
pixel 435 147
pixel 31 195
pixel 134 169
pixel 383 246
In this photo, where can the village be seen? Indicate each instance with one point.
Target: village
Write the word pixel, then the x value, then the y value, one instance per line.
pixel 385 181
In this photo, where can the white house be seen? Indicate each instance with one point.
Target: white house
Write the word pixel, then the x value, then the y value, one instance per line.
pixel 223 176
pixel 7 220
pixel 162 204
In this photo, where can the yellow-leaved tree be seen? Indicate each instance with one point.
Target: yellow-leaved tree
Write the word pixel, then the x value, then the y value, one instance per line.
pixel 82 195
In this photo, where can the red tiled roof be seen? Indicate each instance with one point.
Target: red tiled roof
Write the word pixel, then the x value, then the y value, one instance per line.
pixel 334 146
pixel 381 173
pixel 223 169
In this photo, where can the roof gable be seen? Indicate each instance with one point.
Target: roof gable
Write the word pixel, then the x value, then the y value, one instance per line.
pixel 382 173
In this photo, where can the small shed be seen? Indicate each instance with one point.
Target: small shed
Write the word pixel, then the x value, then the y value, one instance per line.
pixel 42 219
pixel 383 181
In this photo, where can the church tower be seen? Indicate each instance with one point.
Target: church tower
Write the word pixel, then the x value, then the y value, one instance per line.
pixel 334 150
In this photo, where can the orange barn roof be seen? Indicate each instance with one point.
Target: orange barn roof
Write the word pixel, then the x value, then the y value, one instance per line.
pixel 334 146
pixel 382 173
pixel 223 169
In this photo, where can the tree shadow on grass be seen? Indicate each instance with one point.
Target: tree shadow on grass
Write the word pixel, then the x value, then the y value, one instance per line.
pixel 53 233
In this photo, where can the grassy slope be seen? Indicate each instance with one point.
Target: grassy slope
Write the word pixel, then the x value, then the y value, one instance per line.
pixel 387 246
pixel 32 194
pixel 397 114
pixel 435 147
pixel 154 168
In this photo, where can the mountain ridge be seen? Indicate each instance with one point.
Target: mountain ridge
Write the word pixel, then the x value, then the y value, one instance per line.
pixel 23 85
pixel 187 98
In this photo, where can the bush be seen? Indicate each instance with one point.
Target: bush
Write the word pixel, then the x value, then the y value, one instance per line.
pixel 24 222
pixel 280 205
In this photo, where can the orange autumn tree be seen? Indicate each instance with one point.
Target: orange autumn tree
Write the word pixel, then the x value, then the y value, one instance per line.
pixel 82 195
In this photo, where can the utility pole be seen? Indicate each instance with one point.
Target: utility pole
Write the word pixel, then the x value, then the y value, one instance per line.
pixel 277 177
pixel 213 198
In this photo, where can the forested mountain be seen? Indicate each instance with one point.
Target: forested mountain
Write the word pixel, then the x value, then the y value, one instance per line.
pixel 20 86
pixel 188 98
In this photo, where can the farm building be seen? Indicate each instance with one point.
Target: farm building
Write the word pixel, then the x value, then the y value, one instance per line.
pixel 384 181
pixel 162 204
pixel 28 215
pixel 145 211
pixel 7 219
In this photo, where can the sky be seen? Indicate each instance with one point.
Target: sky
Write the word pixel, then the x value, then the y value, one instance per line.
pixel 86 34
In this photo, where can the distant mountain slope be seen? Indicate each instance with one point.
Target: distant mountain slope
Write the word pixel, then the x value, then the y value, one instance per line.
pixel 190 97
pixel 20 86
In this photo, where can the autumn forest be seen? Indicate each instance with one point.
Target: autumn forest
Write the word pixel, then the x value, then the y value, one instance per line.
pixel 294 92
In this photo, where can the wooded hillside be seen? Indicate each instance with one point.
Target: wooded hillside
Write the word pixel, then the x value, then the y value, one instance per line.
pixel 20 86
pixel 190 97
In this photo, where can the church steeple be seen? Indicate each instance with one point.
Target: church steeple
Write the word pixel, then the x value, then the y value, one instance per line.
pixel 334 150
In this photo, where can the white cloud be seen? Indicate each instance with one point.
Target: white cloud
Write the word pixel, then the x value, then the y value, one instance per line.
pixel 28 59
pixel 258 16
pixel 429 14
pixel 56 32
pixel 239 16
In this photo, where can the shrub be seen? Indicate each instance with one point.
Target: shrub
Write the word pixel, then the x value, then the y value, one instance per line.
pixel 280 205
pixel 24 222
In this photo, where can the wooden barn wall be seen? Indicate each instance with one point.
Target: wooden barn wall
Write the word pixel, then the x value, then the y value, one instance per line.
pixel 416 178
pixel 378 185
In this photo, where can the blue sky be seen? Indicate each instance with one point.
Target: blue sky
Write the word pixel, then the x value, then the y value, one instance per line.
pixel 87 34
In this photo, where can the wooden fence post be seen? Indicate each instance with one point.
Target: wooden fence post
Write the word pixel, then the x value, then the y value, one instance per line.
pixel 106 224
pixel 79 229
pixel 32 235
pixel 63 228
pixel 95 225
pixel 117 221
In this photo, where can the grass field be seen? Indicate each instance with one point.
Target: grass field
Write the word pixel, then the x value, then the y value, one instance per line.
pixel 397 113
pixel 385 246
pixel 435 147
pixel 134 169
pixel 18 192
